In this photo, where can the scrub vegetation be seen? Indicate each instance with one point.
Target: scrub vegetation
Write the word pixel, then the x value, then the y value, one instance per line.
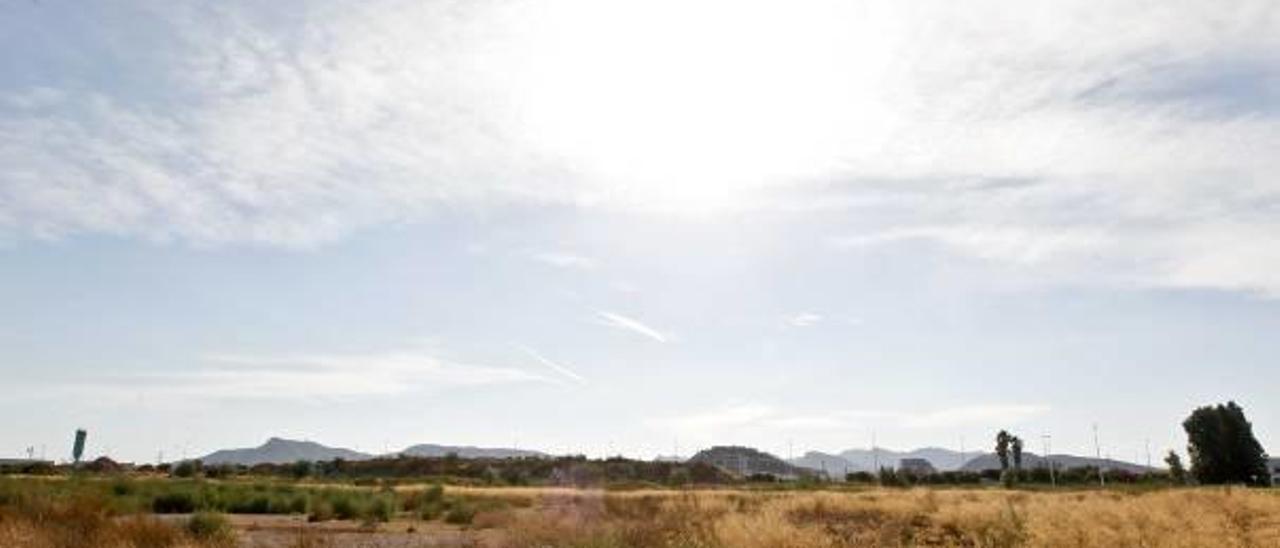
pixel 163 512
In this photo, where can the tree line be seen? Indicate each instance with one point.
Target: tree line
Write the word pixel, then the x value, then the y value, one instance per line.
pixel 1220 443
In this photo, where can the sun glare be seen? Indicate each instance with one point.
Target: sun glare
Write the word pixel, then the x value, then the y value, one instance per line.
pixel 692 105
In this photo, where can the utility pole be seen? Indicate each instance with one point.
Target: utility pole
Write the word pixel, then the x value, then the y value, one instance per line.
pixel 1097 449
pixel 1148 445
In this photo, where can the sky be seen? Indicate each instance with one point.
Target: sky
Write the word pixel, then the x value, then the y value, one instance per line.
pixel 599 227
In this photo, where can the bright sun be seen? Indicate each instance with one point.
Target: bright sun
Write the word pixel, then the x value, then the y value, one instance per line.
pixel 691 104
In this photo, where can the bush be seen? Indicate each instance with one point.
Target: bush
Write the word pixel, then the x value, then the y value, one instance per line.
pixel 460 514
pixel 122 488
pixel 380 509
pixel 221 471
pixel 321 510
pixel 210 526
pixel 176 502
pixel 301 469
pixel 344 507
pixel 186 469
pixel 416 500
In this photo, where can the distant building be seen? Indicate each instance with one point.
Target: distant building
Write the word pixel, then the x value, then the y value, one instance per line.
pixel 916 467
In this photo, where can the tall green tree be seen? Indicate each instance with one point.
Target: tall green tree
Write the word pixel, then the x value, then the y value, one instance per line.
pixel 1223 448
pixel 1002 448
pixel 1016 446
pixel 1177 471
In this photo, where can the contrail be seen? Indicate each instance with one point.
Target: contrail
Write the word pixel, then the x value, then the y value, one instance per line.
pixel 553 365
pixel 623 322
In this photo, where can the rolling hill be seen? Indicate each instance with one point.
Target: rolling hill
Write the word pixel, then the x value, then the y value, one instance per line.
pixel 746 461
pixel 281 451
pixel 468 452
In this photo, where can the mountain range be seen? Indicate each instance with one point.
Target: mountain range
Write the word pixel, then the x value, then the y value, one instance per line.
pixel 280 451
pixel 283 451
pixel 467 452
pixel 865 460
pixel 989 461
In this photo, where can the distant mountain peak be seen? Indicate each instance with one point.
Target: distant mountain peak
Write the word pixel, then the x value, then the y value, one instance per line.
pixel 277 450
pixel 468 452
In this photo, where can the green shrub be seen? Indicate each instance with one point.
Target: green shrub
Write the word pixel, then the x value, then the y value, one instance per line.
pixel 298 505
pixel 430 511
pixel 460 514
pixel 258 504
pixel 209 526
pixel 380 509
pixel 344 507
pixel 122 488
pixel 321 510
pixel 174 502
pixel 187 469
pixel 416 500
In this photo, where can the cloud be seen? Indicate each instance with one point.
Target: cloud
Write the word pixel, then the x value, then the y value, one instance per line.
pixel 989 414
pixel 558 368
pixel 804 319
pixel 624 323
pixel 717 419
pixel 564 260
pixel 728 419
pixel 1146 133
pixel 318 376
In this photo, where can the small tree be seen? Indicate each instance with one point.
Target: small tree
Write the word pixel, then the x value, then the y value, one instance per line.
pixel 187 469
pixel 1002 449
pixel 1223 448
pixel 1176 470
pixel 1016 444
pixel 300 468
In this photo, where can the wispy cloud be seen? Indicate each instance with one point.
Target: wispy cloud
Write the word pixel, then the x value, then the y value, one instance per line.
pixel 554 366
pixel 1152 163
pixel 804 319
pixel 564 260
pixel 764 417
pixel 992 414
pixel 757 416
pixel 619 321
pixel 229 376
pixel 725 417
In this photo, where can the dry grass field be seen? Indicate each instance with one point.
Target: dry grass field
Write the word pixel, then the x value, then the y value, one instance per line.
pixel 544 517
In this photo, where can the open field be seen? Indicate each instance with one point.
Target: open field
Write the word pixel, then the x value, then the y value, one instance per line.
pixel 154 513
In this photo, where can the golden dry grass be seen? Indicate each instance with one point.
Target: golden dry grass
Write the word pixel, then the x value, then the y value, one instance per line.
pixel 1185 518
pixel 554 517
